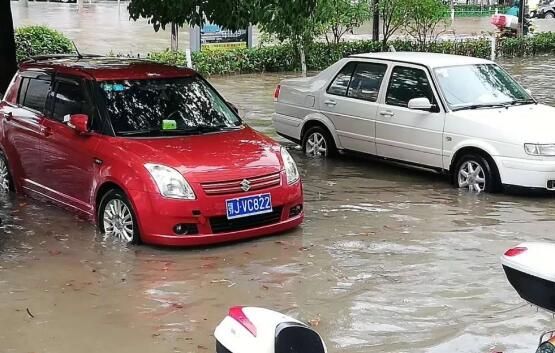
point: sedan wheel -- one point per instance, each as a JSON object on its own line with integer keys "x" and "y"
{"x": 317, "y": 142}
{"x": 4, "y": 176}
{"x": 550, "y": 15}
{"x": 472, "y": 176}
{"x": 117, "y": 219}
{"x": 316, "y": 145}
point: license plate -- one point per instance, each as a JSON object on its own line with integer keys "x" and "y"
{"x": 249, "y": 206}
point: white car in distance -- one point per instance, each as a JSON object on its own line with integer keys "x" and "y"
{"x": 463, "y": 116}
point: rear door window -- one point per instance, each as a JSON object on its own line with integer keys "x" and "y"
{"x": 407, "y": 83}
{"x": 340, "y": 84}
{"x": 366, "y": 81}
{"x": 36, "y": 92}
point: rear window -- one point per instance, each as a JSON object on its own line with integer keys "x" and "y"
{"x": 33, "y": 93}
{"x": 340, "y": 84}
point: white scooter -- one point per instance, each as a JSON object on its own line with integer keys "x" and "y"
{"x": 258, "y": 330}
{"x": 530, "y": 270}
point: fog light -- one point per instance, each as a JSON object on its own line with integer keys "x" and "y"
{"x": 185, "y": 229}
{"x": 295, "y": 210}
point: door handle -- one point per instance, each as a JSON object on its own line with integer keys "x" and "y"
{"x": 387, "y": 113}
{"x": 8, "y": 116}
{"x": 330, "y": 102}
{"x": 46, "y": 131}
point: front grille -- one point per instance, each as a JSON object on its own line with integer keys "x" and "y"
{"x": 224, "y": 225}
{"x": 234, "y": 186}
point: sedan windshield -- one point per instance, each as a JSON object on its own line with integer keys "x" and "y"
{"x": 480, "y": 86}
{"x": 166, "y": 107}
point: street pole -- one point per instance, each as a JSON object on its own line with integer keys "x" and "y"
{"x": 376, "y": 21}
{"x": 80, "y": 5}
{"x": 24, "y": 3}
{"x": 174, "y": 37}
{"x": 521, "y": 17}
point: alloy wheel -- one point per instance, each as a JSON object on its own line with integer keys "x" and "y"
{"x": 316, "y": 145}
{"x": 118, "y": 220}
{"x": 472, "y": 176}
{"x": 4, "y": 177}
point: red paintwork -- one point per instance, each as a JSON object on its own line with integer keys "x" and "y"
{"x": 52, "y": 160}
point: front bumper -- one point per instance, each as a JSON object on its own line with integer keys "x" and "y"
{"x": 158, "y": 216}
{"x": 526, "y": 172}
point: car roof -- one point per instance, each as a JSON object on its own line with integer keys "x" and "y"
{"x": 431, "y": 60}
{"x": 106, "y": 68}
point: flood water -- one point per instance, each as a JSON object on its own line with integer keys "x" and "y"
{"x": 388, "y": 260}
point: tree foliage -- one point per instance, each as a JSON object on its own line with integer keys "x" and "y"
{"x": 424, "y": 20}
{"x": 394, "y": 15}
{"x": 342, "y": 16}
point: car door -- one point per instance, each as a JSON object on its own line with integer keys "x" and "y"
{"x": 351, "y": 103}
{"x": 405, "y": 134}
{"x": 68, "y": 157}
{"x": 22, "y": 128}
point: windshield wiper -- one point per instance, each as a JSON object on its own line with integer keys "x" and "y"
{"x": 138, "y": 132}
{"x": 523, "y": 102}
{"x": 481, "y": 106}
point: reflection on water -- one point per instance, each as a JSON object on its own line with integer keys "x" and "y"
{"x": 389, "y": 260}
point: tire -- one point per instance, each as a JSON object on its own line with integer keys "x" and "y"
{"x": 476, "y": 173}
{"x": 6, "y": 181}
{"x": 317, "y": 142}
{"x": 550, "y": 15}
{"x": 116, "y": 217}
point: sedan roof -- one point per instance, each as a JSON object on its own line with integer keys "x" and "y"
{"x": 431, "y": 60}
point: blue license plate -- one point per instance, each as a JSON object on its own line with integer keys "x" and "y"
{"x": 248, "y": 206}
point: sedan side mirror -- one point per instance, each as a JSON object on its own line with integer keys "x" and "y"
{"x": 79, "y": 122}
{"x": 420, "y": 104}
{"x": 233, "y": 107}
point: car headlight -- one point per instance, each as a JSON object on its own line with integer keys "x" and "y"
{"x": 170, "y": 182}
{"x": 535, "y": 149}
{"x": 291, "y": 170}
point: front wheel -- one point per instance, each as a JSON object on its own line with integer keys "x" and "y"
{"x": 317, "y": 142}
{"x": 474, "y": 172}
{"x": 550, "y": 15}
{"x": 117, "y": 219}
{"x": 6, "y": 184}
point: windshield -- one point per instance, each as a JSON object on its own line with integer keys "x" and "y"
{"x": 483, "y": 85}
{"x": 166, "y": 107}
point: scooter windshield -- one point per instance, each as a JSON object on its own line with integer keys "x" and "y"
{"x": 295, "y": 338}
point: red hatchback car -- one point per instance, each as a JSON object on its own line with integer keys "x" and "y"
{"x": 149, "y": 152}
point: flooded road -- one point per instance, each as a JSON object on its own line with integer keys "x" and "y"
{"x": 388, "y": 260}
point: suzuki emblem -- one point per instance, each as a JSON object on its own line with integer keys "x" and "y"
{"x": 245, "y": 185}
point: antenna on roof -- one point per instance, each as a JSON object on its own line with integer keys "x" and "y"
{"x": 79, "y": 56}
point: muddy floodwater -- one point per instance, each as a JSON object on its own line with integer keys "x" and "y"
{"x": 388, "y": 260}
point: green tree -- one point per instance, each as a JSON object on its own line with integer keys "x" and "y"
{"x": 8, "y": 63}
{"x": 424, "y": 19}
{"x": 393, "y": 14}
{"x": 296, "y": 21}
{"x": 342, "y": 16}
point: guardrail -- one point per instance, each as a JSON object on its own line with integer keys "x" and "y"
{"x": 483, "y": 12}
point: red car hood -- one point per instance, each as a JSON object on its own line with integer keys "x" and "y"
{"x": 210, "y": 157}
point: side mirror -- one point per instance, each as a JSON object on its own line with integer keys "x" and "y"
{"x": 79, "y": 122}
{"x": 420, "y": 104}
{"x": 233, "y": 107}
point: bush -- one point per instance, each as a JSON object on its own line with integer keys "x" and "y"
{"x": 40, "y": 40}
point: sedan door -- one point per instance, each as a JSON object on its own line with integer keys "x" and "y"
{"x": 22, "y": 129}
{"x": 350, "y": 102}
{"x": 405, "y": 134}
{"x": 69, "y": 157}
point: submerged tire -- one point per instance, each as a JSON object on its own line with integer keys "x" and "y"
{"x": 318, "y": 143}
{"x": 116, "y": 217}
{"x": 475, "y": 173}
